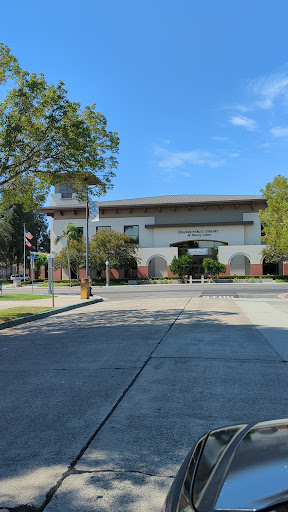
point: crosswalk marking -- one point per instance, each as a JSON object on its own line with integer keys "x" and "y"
{"x": 227, "y": 297}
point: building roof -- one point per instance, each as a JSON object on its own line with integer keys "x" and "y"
{"x": 158, "y": 201}
{"x": 179, "y": 199}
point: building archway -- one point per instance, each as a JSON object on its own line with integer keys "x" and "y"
{"x": 272, "y": 268}
{"x": 199, "y": 249}
{"x": 157, "y": 267}
{"x": 240, "y": 265}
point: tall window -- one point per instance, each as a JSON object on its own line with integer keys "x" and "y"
{"x": 262, "y": 234}
{"x": 133, "y": 233}
{"x": 65, "y": 191}
{"x": 99, "y": 228}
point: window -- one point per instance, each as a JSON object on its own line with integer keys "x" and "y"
{"x": 262, "y": 234}
{"x": 65, "y": 191}
{"x": 133, "y": 233}
{"x": 99, "y": 228}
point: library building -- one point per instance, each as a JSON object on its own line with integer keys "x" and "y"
{"x": 162, "y": 227}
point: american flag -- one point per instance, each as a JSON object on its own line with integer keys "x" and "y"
{"x": 28, "y": 235}
{"x": 28, "y": 243}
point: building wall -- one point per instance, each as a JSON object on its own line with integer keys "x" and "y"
{"x": 252, "y": 252}
{"x": 156, "y": 242}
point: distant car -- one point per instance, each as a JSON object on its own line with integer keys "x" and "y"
{"x": 20, "y": 276}
{"x": 233, "y": 469}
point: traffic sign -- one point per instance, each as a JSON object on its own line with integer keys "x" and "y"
{"x": 32, "y": 256}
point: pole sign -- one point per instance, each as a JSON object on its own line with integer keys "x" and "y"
{"x": 93, "y": 211}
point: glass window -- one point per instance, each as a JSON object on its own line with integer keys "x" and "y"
{"x": 99, "y": 228}
{"x": 132, "y": 232}
{"x": 65, "y": 191}
{"x": 262, "y": 234}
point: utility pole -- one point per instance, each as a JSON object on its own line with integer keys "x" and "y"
{"x": 87, "y": 236}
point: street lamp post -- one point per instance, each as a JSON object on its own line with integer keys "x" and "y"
{"x": 87, "y": 236}
{"x": 107, "y": 274}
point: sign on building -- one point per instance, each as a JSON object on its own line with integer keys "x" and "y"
{"x": 199, "y": 252}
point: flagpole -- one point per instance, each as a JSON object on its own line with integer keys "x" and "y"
{"x": 24, "y": 252}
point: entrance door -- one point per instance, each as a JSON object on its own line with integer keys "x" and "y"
{"x": 196, "y": 268}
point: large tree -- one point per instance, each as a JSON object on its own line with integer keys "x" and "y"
{"x": 275, "y": 220}
{"x": 77, "y": 256}
{"x": 114, "y": 247}
{"x": 36, "y": 224}
{"x": 71, "y": 234}
{"x": 46, "y": 139}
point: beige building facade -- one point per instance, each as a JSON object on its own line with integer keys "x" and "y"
{"x": 168, "y": 226}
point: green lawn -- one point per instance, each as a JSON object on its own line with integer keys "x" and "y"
{"x": 13, "y": 313}
{"x": 23, "y": 296}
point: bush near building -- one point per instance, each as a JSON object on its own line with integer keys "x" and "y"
{"x": 182, "y": 265}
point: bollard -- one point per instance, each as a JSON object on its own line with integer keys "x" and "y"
{"x": 85, "y": 287}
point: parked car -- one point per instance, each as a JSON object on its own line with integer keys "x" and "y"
{"x": 20, "y": 276}
{"x": 237, "y": 468}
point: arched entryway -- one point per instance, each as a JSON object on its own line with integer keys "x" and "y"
{"x": 199, "y": 249}
{"x": 158, "y": 267}
{"x": 272, "y": 268}
{"x": 240, "y": 265}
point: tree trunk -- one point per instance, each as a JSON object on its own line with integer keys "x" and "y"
{"x": 69, "y": 268}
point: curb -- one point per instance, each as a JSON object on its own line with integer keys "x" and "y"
{"x": 40, "y": 316}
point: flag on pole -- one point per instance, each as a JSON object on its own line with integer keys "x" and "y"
{"x": 28, "y": 235}
{"x": 28, "y": 243}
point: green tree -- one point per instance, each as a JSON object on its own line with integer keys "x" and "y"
{"x": 114, "y": 247}
{"x": 70, "y": 234}
{"x": 213, "y": 267}
{"x": 5, "y": 237}
{"x": 275, "y": 220}
{"x": 182, "y": 265}
{"x": 47, "y": 139}
{"x": 35, "y": 222}
{"x": 77, "y": 256}
{"x": 5, "y": 226}
{"x": 41, "y": 261}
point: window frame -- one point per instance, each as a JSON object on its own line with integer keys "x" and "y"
{"x": 99, "y": 228}
{"x": 68, "y": 193}
{"x": 134, "y": 238}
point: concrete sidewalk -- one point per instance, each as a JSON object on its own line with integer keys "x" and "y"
{"x": 109, "y": 399}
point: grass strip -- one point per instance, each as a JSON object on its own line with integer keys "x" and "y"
{"x": 23, "y": 296}
{"x": 13, "y": 313}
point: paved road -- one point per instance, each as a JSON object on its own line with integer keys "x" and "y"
{"x": 139, "y": 292}
{"x": 99, "y": 406}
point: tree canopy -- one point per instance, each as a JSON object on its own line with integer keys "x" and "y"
{"x": 73, "y": 239}
{"x": 213, "y": 267}
{"x": 77, "y": 256}
{"x": 182, "y": 265}
{"x": 46, "y": 139}
{"x": 275, "y": 220}
{"x": 114, "y": 247}
{"x": 11, "y": 248}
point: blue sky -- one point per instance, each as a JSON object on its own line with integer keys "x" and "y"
{"x": 198, "y": 91}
